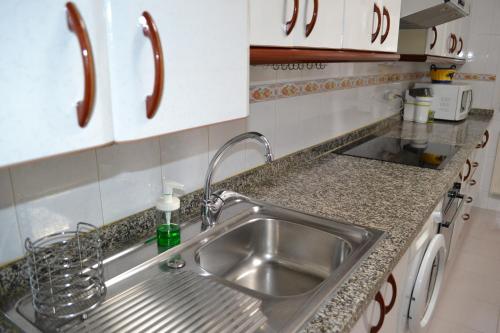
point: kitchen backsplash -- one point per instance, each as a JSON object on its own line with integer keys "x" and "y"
{"x": 103, "y": 185}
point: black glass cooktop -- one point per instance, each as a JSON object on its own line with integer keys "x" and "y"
{"x": 418, "y": 153}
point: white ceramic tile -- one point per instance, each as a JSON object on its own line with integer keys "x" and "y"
{"x": 287, "y": 126}
{"x": 288, "y": 75}
{"x": 262, "y": 119}
{"x": 130, "y": 178}
{"x": 55, "y": 194}
{"x": 482, "y": 14}
{"x": 483, "y": 94}
{"x": 10, "y": 241}
{"x": 184, "y": 157}
{"x": 313, "y": 127}
{"x": 234, "y": 160}
{"x": 262, "y": 75}
{"x": 479, "y": 58}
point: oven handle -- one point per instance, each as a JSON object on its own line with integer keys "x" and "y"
{"x": 447, "y": 224}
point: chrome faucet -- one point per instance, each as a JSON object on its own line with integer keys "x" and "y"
{"x": 212, "y": 202}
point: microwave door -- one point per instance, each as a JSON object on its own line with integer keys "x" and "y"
{"x": 466, "y": 102}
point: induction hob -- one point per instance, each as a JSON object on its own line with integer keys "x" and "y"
{"x": 420, "y": 153}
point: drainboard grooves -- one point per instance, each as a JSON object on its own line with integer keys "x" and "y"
{"x": 175, "y": 302}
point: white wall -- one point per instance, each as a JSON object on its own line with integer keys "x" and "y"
{"x": 103, "y": 185}
{"x": 484, "y": 57}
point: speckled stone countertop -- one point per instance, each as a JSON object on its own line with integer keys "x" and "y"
{"x": 395, "y": 198}
{"x": 392, "y": 197}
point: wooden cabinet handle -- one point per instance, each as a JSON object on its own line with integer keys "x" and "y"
{"x": 76, "y": 24}
{"x": 380, "y": 300}
{"x": 392, "y": 281}
{"x": 466, "y": 217}
{"x": 312, "y": 23}
{"x": 461, "y": 41}
{"x": 434, "y": 30}
{"x": 151, "y": 31}
{"x": 472, "y": 182}
{"x": 376, "y": 10}
{"x": 387, "y": 15}
{"x": 469, "y": 199}
{"x": 291, "y": 24}
{"x": 469, "y": 167}
{"x": 487, "y": 138}
{"x": 453, "y": 43}
{"x": 475, "y": 164}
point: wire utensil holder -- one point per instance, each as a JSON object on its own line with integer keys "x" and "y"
{"x": 66, "y": 272}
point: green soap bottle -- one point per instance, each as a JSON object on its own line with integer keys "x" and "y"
{"x": 168, "y": 233}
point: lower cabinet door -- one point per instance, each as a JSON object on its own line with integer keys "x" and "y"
{"x": 375, "y": 319}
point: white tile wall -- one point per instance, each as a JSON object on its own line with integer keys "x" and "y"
{"x": 262, "y": 119}
{"x": 232, "y": 162}
{"x": 184, "y": 157}
{"x": 55, "y": 194}
{"x": 10, "y": 240}
{"x": 129, "y": 178}
{"x": 103, "y": 185}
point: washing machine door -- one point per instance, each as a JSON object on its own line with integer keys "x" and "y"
{"x": 427, "y": 285}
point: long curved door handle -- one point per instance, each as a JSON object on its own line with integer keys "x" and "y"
{"x": 461, "y": 41}
{"x": 312, "y": 23}
{"x": 435, "y": 37}
{"x": 291, "y": 24}
{"x": 376, "y": 10}
{"x": 76, "y": 24}
{"x": 151, "y": 31}
{"x": 380, "y": 300}
{"x": 387, "y": 15}
{"x": 392, "y": 281}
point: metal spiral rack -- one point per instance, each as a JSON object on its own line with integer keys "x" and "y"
{"x": 297, "y": 67}
{"x": 66, "y": 272}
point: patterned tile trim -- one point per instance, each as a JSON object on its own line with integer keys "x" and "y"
{"x": 268, "y": 92}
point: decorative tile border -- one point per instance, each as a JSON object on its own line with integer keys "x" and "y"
{"x": 475, "y": 77}
{"x": 268, "y": 92}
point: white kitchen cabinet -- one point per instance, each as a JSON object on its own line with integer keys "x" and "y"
{"x": 390, "y": 26}
{"x": 204, "y": 45}
{"x": 371, "y": 25}
{"x": 362, "y": 24}
{"x": 436, "y": 40}
{"x": 43, "y": 79}
{"x": 298, "y": 23}
{"x": 270, "y": 21}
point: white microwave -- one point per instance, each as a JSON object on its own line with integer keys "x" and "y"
{"x": 450, "y": 101}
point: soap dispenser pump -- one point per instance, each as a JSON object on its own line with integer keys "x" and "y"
{"x": 168, "y": 233}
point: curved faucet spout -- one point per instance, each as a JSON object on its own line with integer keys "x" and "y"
{"x": 210, "y": 206}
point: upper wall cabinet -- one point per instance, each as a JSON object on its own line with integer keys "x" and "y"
{"x": 446, "y": 40}
{"x": 371, "y": 25}
{"x": 300, "y": 23}
{"x": 176, "y": 64}
{"x": 54, "y": 83}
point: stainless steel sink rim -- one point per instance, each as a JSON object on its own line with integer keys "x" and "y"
{"x": 283, "y": 313}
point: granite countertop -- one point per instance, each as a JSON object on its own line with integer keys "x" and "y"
{"x": 392, "y": 197}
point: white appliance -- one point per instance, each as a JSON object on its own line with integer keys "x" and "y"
{"x": 451, "y": 101}
{"x": 425, "y": 278}
{"x": 421, "y": 14}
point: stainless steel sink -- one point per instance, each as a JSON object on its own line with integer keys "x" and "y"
{"x": 261, "y": 268}
{"x": 274, "y": 257}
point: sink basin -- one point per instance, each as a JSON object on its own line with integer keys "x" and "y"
{"x": 274, "y": 257}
